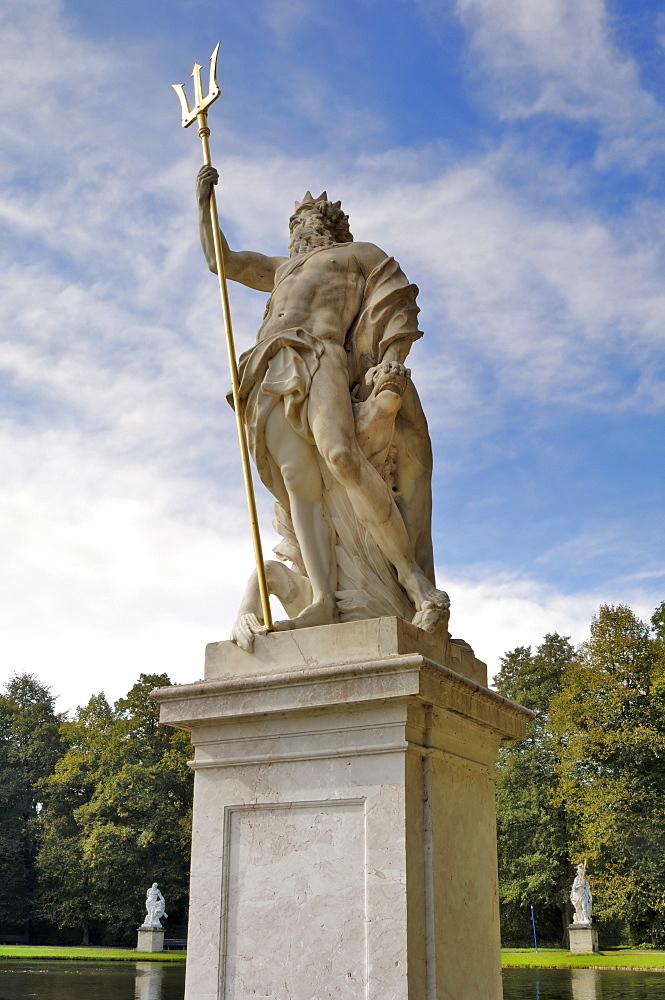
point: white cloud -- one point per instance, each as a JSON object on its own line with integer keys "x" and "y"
{"x": 563, "y": 57}
{"x": 654, "y": 574}
{"x": 289, "y": 17}
{"x": 545, "y": 297}
{"x": 606, "y": 542}
{"x": 110, "y": 569}
{"x": 523, "y": 296}
{"x": 495, "y": 612}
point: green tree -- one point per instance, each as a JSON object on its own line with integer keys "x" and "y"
{"x": 658, "y": 622}
{"x": 30, "y": 745}
{"x": 64, "y": 880}
{"x": 120, "y": 800}
{"x": 14, "y": 813}
{"x": 610, "y": 721}
{"x": 531, "y": 819}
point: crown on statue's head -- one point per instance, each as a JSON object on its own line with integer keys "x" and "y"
{"x": 309, "y": 200}
{"x": 331, "y": 211}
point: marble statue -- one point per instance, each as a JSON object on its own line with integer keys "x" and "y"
{"x": 335, "y": 426}
{"x": 581, "y": 898}
{"x": 155, "y": 905}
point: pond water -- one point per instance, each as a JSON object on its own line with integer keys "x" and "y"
{"x": 582, "y": 984}
{"x": 152, "y": 981}
{"x": 91, "y": 981}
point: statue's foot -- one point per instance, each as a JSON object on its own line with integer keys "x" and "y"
{"x": 432, "y": 605}
{"x": 245, "y": 628}
{"x": 323, "y": 612}
{"x": 424, "y": 594}
{"x": 433, "y": 620}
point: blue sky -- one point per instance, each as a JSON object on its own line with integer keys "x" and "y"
{"x": 509, "y": 155}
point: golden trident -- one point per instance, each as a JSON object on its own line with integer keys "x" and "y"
{"x": 199, "y": 113}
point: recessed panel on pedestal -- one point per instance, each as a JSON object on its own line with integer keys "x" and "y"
{"x": 294, "y": 906}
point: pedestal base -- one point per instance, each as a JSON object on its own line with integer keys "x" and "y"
{"x": 150, "y": 939}
{"x": 583, "y": 939}
{"x": 344, "y": 840}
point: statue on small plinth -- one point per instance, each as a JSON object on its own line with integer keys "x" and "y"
{"x": 155, "y": 905}
{"x": 581, "y": 898}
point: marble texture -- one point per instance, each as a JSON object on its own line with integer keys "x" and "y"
{"x": 335, "y": 426}
{"x": 295, "y": 866}
{"x": 353, "y": 642}
{"x": 344, "y": 830}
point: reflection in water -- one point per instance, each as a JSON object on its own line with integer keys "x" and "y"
{"x": 582, "y": 984}
{"x": 585, "y": 984}
{"x": 44, "y": 980}
{"x": 148, "y": 981}
{"x": 154, "y": 981}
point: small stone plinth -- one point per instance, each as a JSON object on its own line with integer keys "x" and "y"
{"x": 150, "y": 939}
{"x": 583, "y": 939}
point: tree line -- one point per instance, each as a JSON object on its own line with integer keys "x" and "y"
{"x": 95, "y": 808}
{"x": 588, "y": 784}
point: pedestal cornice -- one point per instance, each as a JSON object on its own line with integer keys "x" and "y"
{"x": 294, "y": 687}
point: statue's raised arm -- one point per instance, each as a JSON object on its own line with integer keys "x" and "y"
{"x": 246, "y": 266}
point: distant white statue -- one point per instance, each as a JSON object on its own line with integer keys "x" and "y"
{"x": 581, "y": 898}
{"x": 155, "y": 905}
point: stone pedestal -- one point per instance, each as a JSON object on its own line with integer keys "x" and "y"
{"x": 150, "y": 939}
{"x": 344, "y": 830}
{"x": 583, "y": 939}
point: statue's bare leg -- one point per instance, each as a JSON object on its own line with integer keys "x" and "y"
{"x": 332, "y": 424}
{"x": 302, "y": 479}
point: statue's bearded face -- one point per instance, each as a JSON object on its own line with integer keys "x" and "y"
{"x": 308, "y": 232}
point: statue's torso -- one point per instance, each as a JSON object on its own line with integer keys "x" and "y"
{"x": 322, "y": 293}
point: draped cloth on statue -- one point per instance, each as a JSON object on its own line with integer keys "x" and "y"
{"x": 278, "y": 370}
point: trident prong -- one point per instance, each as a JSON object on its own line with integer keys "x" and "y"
{"x": 203, "y": 102}
{"x": 200, "y": 114}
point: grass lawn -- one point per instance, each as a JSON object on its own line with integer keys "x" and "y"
{"x": 558, "y": 958}
{"x": 545, "y": 958}
{"x": 28, "y": 952}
